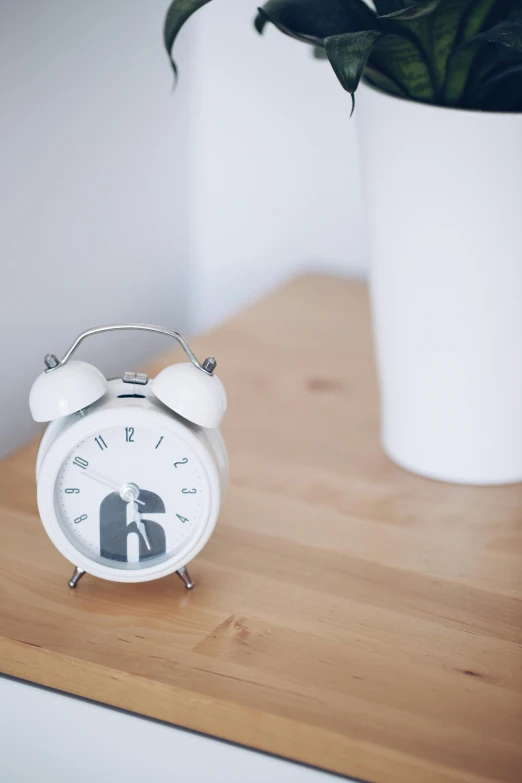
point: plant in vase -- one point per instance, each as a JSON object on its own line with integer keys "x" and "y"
{"x": 440, "y": 121}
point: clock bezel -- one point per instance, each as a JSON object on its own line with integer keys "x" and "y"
{"x": 113, "y": 414}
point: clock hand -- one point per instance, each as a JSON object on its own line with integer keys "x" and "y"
{"x": 114, "y": 485}
{"x": 133, "y": 515}
{"x": 143, "y": 530}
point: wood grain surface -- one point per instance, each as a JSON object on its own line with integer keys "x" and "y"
{"x": 346, "y": 614}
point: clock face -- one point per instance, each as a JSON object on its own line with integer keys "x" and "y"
{"x": 130, "y": 497}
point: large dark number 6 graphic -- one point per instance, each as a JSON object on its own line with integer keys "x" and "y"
{"x": 114, "y": 528}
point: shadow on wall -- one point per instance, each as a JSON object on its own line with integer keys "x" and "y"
{"x": 94, "y": 208}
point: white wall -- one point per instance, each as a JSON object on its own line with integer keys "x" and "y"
{"x": 93, "y": 198}
{"x": 273, "y": 176}
{"x": 121, "y": 201}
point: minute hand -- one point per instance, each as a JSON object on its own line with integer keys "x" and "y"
{"x": 114, "y": 485}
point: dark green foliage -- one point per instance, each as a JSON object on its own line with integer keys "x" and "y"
{"x": 349, "y": 53}
{"x": 315, "y": 20}
{"x": 461, "y": 53}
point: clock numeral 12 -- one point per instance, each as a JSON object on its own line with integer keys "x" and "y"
{"x": 129, "y": 434}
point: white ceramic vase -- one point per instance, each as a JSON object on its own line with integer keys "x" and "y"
{"x": 443, "y": 189}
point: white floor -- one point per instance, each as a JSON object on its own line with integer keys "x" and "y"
{"x": 46, "y": 737}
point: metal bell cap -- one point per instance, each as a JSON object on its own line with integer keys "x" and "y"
{"x": 192, "y": 393}
{"x": 66, "y": 390}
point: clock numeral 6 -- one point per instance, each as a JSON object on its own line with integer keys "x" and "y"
{"x": 189, "y": 491}
{"x": 80, "y": 462}
{"x": 181, "y": 462}
{"x": 72, "y": 490}
{"x": 80, "y": 519}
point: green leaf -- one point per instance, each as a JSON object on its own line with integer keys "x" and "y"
{"x": 444, "y": 36}
{"x": 348, "y": 55}
{"x": 494, "y": 75}
{"x": 495, "y": 56}
{"x": 507, "y": 33}
{"x": 461, "y": 59}
{"x": 475, "y": 19}
{"x": 460, "y": 63}
{"x": 314, "y": 20}
{"x": 382, "y": 81}
{"x": 503, "y": 91}
{"x": 400, "y": 57}
{"x": 404, "y": 61}
{"x": 432, "y": 26}
{"x": 389, "y": 6}
{"x": 319, "y": 52}
{"x": 178, "y": 13}
{"x": 417, "y": 11}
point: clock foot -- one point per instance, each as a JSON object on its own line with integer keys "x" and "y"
{"x": 185, "y": 578}
{"x": 75, "y": 578}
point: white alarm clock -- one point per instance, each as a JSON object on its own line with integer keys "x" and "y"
{"x": 130, "y": 472}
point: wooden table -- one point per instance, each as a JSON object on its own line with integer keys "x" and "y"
{"x": 347, "y": 614}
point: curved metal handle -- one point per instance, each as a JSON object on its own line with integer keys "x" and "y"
{"x": 207, "y": 367}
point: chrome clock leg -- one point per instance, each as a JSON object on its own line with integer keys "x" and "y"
{"x": 185, "y": 578}
{"x": 75, "y": 578}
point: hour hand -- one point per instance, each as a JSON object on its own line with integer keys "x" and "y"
{"x": 143, "y": 531}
